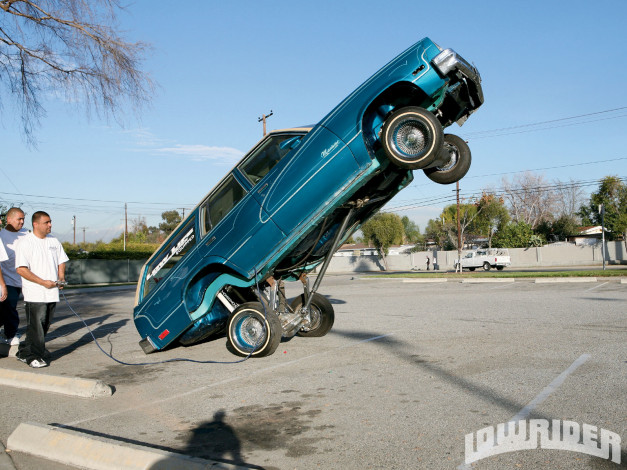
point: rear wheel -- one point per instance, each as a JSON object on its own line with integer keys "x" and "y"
{"x": 500, "y": 268}
{"x": 412, "y": 137}
{"x": 456, "y": 159}
{"x": 320, "y": 315}
{"x": 471, "y": 269}
{"x": 251, "y": 329}
{"x": 486, "y": 266}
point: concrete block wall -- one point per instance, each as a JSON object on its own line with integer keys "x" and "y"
{"x": 550, "y": 255}
{"x": 100, "y": 271}
{"x": 93, "y": 271}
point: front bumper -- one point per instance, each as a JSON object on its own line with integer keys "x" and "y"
{"x": 464, "y": 94}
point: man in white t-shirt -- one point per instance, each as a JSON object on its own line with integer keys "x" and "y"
{"x": 9, "y": 236}
{"x": 40, "y": 260}
{"x": 3, "y": 287}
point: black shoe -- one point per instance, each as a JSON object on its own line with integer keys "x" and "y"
{"x": 20, "y": 359}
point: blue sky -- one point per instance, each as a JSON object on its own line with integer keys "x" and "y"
{"x": 220, "y": 65}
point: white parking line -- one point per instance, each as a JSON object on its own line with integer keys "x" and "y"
{"x": 596, "y": 287}
{"x": 549, "y": 389}
{"x": 543, "y": 395}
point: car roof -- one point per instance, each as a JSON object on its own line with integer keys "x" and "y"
{"x": 304, "y": 129}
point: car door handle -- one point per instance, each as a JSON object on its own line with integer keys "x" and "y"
{"x": 262, "y": 189}
{"x": 213, "y": 239}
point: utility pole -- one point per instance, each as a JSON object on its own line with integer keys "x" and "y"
{"x": 183, "y": 210}
{"x": 74, "y": 225}
{"x": 602, "y": 212}
{"x": 83, "y": 228}
{"x": 263, "y": 119}
{"x": 125, "y": 224}
{"x": 459, "y": 233}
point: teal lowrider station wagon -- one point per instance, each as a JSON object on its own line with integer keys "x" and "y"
{"x": 287, "y": 206}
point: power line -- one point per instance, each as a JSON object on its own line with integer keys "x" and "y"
{"x": 551, "y": 121}
{"x": 499, "y": 192}
{"x": 93, "y": 200}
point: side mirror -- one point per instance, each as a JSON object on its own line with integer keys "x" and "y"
{"x": 290, "y": 143}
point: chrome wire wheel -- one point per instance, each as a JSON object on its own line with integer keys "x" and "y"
{"x": 412, "y": 137}
{"x": 453, "y": 157}
{"x": 319, "y": 317}
{"x": 253, "y": 330}
{"x": 454, "y": 165}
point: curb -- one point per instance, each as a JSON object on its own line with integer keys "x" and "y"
{"x": 487, "y": 279}
{"x": 73, "y": 386}
{"x": 431, "y": 279}
{"x": 623, "y": 280}
{"x": 98, "y": 453}
{"x": 565, "y": 279}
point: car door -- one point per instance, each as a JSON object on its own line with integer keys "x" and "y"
{"x": 304, "y": 180}
{"x": 234, "y": 229}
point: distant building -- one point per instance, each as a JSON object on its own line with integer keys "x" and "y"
{"x": 588, "y": 235}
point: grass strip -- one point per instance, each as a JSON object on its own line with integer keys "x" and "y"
{"x": 505, "y": 273}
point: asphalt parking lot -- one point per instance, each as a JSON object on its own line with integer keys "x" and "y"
{"x": 407, "y": 371}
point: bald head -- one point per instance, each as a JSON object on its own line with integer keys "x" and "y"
{"x": 15, "y": 219}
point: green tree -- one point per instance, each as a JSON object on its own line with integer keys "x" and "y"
{"x": 170, "y": 221}
{"x": 560, "y": 229}
{"x": 467, "y": 215}
{"x": 516, "y": 235}
{"x": 383, "y": 230}
{"x": 436, "y": 231}
{"x": 3, "y": 213}
{"x": 612, "y": 193}
{"x": 492, "y": 215}
{"x": 412, "y": 231}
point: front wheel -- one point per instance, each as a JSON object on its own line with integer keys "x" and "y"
{"x": 319, "y": 317}
{"x": 471, "y": 269}
{"x": 253, "y": 330}
{"x": 412, "y": 137}
{"x": 500, "y": 268}
{"x": 486, "y": 266}
{"x": 454, "y": 161}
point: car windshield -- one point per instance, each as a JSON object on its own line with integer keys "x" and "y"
{"x": 268, "y": 154}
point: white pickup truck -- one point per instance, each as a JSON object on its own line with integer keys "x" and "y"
{"x": 487, "y": 259}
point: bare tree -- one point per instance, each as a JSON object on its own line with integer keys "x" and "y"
{"x": 570, "y": 198}
{"x": 70, "y": 47}
{"x": 530, "y": 198}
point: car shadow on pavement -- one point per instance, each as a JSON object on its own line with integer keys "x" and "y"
{"x": 398, "y": 348}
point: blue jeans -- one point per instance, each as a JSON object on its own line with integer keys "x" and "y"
{"x": 38, "y": 318}
{"x": 9, "y": 317}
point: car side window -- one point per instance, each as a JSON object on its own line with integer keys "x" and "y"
{"x": 221, "y": 202}
{"x": 260, "y": 162}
